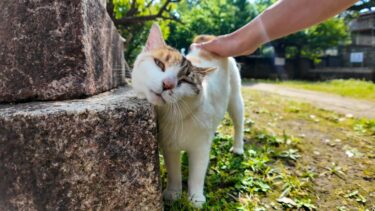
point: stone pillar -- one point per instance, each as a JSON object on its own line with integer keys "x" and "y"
{"x": 57, "y": 50}
{"x": 104, "y": 3}
{"x": 96, "y": 150}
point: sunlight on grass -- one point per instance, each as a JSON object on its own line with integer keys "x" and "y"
{"x": 348, "y": 88}
{"x": 277, "y": 171}
{"x": 257, "y": 180}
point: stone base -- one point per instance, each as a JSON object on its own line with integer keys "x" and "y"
{"x": 98, "y": 153}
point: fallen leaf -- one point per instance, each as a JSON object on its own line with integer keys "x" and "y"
{"x": 288, "y": 201}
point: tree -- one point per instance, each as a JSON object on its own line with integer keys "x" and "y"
{"x": 362, "y": 4}
{"x": 181, "y": 20}
{"x": 311, "y": 42}
{"x": 355, "y": 10}
{"x": 133, "y": 18}
{"x": 213, "y": 17}
{"x": 135, "y": 12}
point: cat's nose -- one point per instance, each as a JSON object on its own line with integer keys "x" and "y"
{"x": 168, "y": 84}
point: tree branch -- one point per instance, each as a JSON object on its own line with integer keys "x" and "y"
{"x": 131, "y": 19}
{"x": 364, "y": 5}
{"x": 133, "y": 9}
{"x": 110, "y": 9}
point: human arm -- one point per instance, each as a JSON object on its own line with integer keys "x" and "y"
{"x": 282, "y": 18}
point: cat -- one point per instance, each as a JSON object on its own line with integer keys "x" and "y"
{"x": 191, "y": 95}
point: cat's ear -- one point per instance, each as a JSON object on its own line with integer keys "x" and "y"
{"x": 205, "y": 70}
{"x": 155, "y": 39}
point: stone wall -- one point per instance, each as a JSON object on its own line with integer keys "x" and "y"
{"x": 91, "y": 151}
{"x": 57, "y": 50}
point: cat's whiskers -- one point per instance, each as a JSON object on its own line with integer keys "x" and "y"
{"x": 180, "y": 120}
{"x": 189, "y": 111}
{"x": 172, "y": 131}
{"x": 175, "y": 125}
{"x": 175, "y": 128}
{"x": 162, "y": 120}
{"x": 164, "y": 123}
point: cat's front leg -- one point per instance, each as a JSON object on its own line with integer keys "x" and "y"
{"x": 174, "y": 185}
{"x": 198, "y": 163}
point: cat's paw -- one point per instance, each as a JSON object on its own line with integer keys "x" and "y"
{"x": 237, "y": 150}
{"x": 197, "y": 200}
{"x": 171, "y": 195}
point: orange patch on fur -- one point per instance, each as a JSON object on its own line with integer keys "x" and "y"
{"x": 205, "y": 54}
{"x": 169, "y": 56}
{"x": 203, "y": 38}
{"x": 193, "y": 59}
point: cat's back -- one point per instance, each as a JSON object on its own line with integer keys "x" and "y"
{"x": 202, "y": 58}
{"x": 219, "y": 84}
{"x": 226, "y": 74}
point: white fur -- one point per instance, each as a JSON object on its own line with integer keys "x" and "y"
{"x": 187, "y": 122}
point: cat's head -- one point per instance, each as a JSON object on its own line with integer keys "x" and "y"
{"x": 163, "y": 75}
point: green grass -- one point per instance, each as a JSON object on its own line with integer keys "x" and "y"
{"x": 256, "y": 180}
{"x": 348, "y": 88}
{"x": 281, "y": 169}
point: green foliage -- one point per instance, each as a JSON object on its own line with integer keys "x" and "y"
{"x": 331, "y": 33}
{"x": 214, "y": 17}
{"x": 366, "y": 126}
{"x": 197, "y": 17}
{"x": 218, "y": 17}
{"x": 136, "y": 31}
{"x": 312, "y": 42}
{"x": 362, "y": 4}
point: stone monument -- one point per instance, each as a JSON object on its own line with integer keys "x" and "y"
{"x": 72, "y": 134}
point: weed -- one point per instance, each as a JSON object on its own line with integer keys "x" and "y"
{"x": 246, "y": 182}
{"x": 277, "y": 171}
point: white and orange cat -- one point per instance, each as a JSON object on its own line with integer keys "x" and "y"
{"x": 191, "y": 96}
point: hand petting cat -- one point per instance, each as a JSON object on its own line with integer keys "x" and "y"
{"x": 281, "y": 19}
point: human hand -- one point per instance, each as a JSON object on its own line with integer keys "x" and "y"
{"x": 227, "y": 45}
{"x": 281, "y": 19}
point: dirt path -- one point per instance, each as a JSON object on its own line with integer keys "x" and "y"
{"x": 345, "y": 105}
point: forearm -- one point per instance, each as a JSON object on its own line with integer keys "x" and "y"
{"x": 286, "y": 17}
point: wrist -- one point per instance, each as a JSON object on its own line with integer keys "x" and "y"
{"x": 258, "y": 33}
{"x": 250, "y": 37}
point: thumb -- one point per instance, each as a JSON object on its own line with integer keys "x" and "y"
{"x": 203, "y": 45}
{"x": 198, "y": 45}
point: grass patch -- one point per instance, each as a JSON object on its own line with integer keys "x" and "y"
{"x": 297, "y": 157}
{"x": 258, "y": 180}
{"x": 349, "y": 88}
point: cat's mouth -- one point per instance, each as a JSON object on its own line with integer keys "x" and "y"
{"x": 158, "y": 96}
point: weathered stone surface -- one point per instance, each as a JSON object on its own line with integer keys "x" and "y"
{"x": 98, "y": 153}
{"x": 53, "y": 50}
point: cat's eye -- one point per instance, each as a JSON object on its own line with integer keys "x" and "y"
{"x": 183, "y": 81}
{"x": 159, "y": 64}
